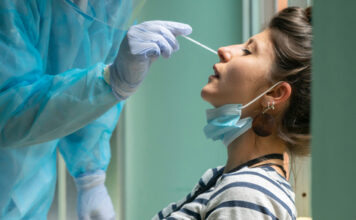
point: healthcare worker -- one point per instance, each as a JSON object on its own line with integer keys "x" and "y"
{"x": 63, "y": 81}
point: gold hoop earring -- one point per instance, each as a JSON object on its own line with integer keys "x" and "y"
{"x": 264, "y": 123}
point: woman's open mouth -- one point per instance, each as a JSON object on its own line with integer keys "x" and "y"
{"x": 216, "y": 72}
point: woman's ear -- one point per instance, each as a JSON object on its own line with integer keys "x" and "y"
{"x": 279, "y": 95}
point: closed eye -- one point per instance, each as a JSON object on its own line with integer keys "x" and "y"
{"x": 246, "y": 52}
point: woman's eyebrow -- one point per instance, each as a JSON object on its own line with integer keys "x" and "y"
{"x": 254, "y": 42}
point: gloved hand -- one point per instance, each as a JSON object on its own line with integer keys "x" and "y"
{"x": 143, "y": 44}
{"x": 93, "y": 199}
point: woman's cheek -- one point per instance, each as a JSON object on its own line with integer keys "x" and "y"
{"x": 236, "y": 75}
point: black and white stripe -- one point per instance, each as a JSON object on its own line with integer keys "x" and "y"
{"x": 249, "y": 193}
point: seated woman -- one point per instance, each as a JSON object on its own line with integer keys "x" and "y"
{"x": 270, "y": 74}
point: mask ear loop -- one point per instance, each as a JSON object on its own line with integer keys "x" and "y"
{"x": 258, "y": 97}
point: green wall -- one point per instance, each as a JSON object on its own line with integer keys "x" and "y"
{"x": 166, "y": 151}
{"x": 334, "y": 110}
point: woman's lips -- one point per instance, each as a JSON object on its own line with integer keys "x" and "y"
{"x": 212, "y": 77}
{"x": 217, "y": 74}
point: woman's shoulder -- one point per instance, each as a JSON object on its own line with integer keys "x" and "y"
{"x": 257, "y": 175}
{"x": 264, "y": 180}
{"x": 255, "y": 189}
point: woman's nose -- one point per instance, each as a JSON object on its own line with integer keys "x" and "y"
{"x": 224, "y": 54}
{"x": 227, "y": 53}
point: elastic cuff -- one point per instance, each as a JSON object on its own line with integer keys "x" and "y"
{"x": 90, "y": 180}
{"x": 121, "y": 89}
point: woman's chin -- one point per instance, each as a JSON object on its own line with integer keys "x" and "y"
{"x": 206, "y": 94}
{"x": 212, "y": 95}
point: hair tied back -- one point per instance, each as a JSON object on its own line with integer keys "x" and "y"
{"x": 308, "y": 14}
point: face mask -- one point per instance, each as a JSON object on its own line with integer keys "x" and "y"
{"x": 224, "y": 123}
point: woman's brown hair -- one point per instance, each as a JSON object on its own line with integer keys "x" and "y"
{"x": 291, "y": 35}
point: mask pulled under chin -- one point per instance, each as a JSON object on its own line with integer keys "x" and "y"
{"x": 225, "y": 122}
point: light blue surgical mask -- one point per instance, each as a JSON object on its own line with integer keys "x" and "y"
{"x": 225, "y": 122}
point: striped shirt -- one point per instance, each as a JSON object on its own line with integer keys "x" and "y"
{"x": 247, "y": 194}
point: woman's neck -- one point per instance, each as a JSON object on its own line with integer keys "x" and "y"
{"x": 250, "y": 146}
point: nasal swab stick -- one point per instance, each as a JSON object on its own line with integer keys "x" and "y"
{"x": 200, "y": 44}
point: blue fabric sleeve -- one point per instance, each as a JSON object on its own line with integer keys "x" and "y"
{"x": 88, "y": 149}
{"x": 36, "y": 106}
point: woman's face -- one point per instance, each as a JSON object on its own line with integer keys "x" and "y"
{"x": 242, "y": 73}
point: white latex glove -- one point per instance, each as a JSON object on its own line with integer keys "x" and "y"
{"x": 142, "y": 45}
{"x": 93, "y": 199}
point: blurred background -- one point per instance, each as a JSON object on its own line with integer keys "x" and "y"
{"x": 159, "y": 150}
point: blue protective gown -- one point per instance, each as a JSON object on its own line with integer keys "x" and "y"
{"x": 51, "y": 86}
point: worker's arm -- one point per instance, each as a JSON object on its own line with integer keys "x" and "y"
{"x": 87, "y": 156}
{"x": 36, "y": 106}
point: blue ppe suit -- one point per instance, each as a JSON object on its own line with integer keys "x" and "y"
{"x": 52, "y": 94}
